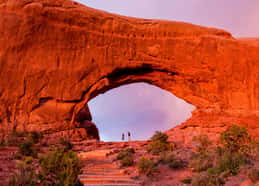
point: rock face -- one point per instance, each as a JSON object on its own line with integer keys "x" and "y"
{"x": 57, "y": 55}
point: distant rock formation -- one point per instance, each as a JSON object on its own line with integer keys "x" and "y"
{"x": 57, "y": 55}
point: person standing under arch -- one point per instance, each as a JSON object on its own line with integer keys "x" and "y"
{"x": 129, "y": 136}
{"x": 123, "y": 137}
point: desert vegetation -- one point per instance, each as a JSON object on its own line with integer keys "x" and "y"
{"x": 234, "y": 154}
{"x": 146, "y": 166}
{"x": 126, "y": 157}
{"x": 209, "y": 164}
{"x": 25, "y": 175}
{"x": 158, "y": 151}
{"x": 59, "y": 167}
{"x": 158, "y": 143}
{"x": 38, "y": 165}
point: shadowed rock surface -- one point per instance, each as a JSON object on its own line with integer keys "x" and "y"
{"x": 57, "y": 55}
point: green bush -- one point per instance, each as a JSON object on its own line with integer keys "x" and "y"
{"x": 125, "y": 153}
{"x": 203, "y": 158}
{"x": 205, "y": 179}
{"x": 230, "y": 163}
{"x": 203, "y": 143}
{"x": 201, "y": 162}
{"x": 187, "y": 181}
{"x": 224, "y": 160}
{"x": 25, "y": 176}
{"x": 159, "y": 136}
{"x": 26, "y": 148}
{"x": 60, "y": 167}
{"x": 171, "y": 160}
{"x": 127, "y": 161}
{"x": 235, "y": 139}
{"x": 28, "y": 160}
{"x": 158, "y": 143}
{"x": 126, "y": 157}
{"x": 227, "y": 164}
{"x": 130, "y": 150}
{"x": 65, "y": 142}
{"x": 254, "y": 175}
{"x": 146, "y": 166}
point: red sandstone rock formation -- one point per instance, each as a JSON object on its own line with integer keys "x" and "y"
{"x": 57, "y": 55}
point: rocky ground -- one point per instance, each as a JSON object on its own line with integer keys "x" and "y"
{"x": 101, "y": 156}
{"x": 100, "y": 166}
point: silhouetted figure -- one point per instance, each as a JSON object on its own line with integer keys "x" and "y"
{"x": 123, "y": 137}
{"x": 129, "y": 136}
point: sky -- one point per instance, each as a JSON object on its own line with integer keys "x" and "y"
{"x": 141, "y": 108}
{"x": 240, "y": 17}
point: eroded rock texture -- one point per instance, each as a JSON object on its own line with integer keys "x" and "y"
{"x": 57, "y": 55}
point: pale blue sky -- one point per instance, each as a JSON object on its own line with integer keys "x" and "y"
{"x": 139, "y": 108}
{"x": 142, "y": 108}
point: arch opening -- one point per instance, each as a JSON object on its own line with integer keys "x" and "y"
{"x": 139, "y": 108}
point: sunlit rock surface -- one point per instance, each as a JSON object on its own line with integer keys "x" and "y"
{"x": 57, "y": 55}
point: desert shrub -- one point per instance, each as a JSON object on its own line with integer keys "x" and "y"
{"x": 28, "y": 160}
{"x": 60, "y": 167}
{"x": 227, "y": 164}
{"x": 25, "y": 176}
{"x": 203, "y": 158}
{"x": 201, "y": 161}
{"x": 158, "y": 143}
{"x": 159, "y": 136}
{"x": 126, "y": 157}
{"x": 224, "y": 160}
{"x": 127, "y": 161}
{"x": 125, "y": 153}
{"x": 130, "y": 150}
{"x": 34, "y": 136}
{"x": 254, "y": 175}
{"x": 233, "y": 152}
{"x": 187, "y": 181}
{"x": 235, "y": 139}
{"x": 203, "y": 143}
{"x": 205, "y": 179}
{"x": 146, "y": 166}
{"x": 66, "y": 143}
{"x": 200, "y": 165}
{"x": 26, "y": 148}
{"x": 170, "y": 160}
{"x": 230, "y": 163}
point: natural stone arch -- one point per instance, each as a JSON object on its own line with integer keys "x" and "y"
{"x": 57, "y": 55}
